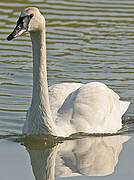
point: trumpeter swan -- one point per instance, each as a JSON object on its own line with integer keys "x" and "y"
{"x": 66, "y": 108}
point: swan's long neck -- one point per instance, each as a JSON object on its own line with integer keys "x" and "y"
{"x": 40, "y": 98}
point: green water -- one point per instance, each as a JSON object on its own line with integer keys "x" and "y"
{"x": 86, "y": 41}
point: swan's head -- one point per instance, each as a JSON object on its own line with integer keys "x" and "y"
{"x": 30, "y": 20}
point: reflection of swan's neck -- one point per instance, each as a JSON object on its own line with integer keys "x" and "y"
{"x": 43, "y": 163}
{"x": 40, "y": 98}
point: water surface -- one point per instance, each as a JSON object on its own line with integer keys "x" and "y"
{"x": 86, "y": 41}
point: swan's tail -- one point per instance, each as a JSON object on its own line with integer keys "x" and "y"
{"x": 124, "y": 106}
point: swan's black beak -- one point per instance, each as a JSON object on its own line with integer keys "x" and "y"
{"x": 21, "y": 27}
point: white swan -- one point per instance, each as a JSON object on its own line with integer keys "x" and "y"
{"x": 68, "y": 107}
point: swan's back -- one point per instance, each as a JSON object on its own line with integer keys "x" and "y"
{"x": 58, "y": 93}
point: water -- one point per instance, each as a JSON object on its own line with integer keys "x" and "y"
{"x": 86, "y": 41}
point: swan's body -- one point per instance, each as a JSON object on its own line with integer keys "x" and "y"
{"x": 68, "y": 107}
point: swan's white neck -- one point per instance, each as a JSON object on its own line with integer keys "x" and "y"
{"x": 40, "y": 86}
{"x": 40, "y": 98}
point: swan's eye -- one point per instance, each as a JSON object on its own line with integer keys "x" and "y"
{"x": 31, "y": 15}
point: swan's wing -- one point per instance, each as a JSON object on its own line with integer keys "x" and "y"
{"x": 58, "y": 94}
{"x": 92, "y": 108}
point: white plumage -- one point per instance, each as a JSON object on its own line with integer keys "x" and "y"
{"x": 90, "y": 108}
{"x": 68, "y": 107}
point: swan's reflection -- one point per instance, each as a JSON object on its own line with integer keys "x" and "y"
{"x": 90, "y": 156}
